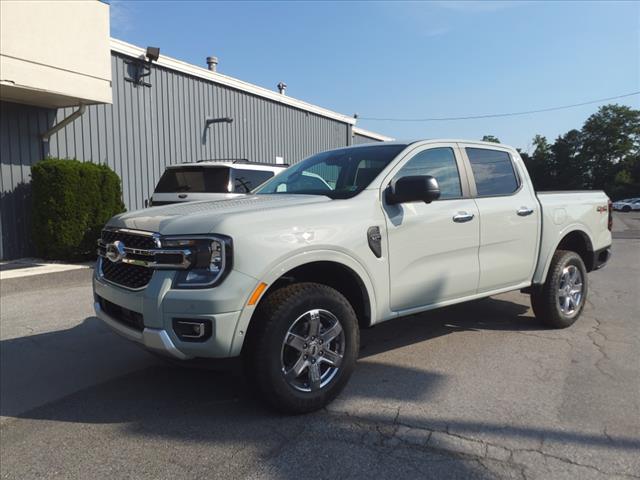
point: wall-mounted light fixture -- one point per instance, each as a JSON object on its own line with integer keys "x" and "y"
{"x": 140, "y": 68}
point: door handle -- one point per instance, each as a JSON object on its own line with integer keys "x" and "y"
{"x": 182, "y": 195}
{"x": 463, "y": 217}
{"x": 524, "y": 211}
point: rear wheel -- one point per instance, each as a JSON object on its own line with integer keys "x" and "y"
{"x": 559, "y": 302}
{"x": 303, "y": 347}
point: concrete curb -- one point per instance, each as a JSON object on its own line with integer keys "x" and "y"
{"x": 60, "y": 279}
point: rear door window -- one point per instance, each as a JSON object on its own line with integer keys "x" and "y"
{"x": 493, "y": 172}
{"x": 195, "y": 180}
{"x": 246, "y": 180}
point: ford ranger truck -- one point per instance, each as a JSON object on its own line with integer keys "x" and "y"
{"x": 286, "y": 276}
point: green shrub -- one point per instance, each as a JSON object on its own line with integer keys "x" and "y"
{"x": 72, "y": 201}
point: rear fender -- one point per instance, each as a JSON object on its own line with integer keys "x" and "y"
{"x": 546, "y": 254}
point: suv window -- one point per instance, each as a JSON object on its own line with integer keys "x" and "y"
{"x": 440, "y": 163}
{"x": 246, "y": 180}
{"x": 194, "y": 179}
{"x": 492, "y": 171}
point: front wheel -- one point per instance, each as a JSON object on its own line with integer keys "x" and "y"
{"x": 626, "y": 209}
{"x": 303, "y": 347}
{"x": 559, "y": 302}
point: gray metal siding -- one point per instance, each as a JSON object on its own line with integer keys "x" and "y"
{"x": 20, "y": 147}
{"x": 148, "y": 128}
{"x": 361, "y": 139}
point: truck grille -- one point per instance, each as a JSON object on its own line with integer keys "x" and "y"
{"x": 124, "y": 274}
{"x": 123, "y": 315}
{"x": 129, "y": 276}
{"x": 131, "y": 240}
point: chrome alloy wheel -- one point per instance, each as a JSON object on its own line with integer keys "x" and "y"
{"x": 570, "y": 290}
{"x": 312, "y": 350}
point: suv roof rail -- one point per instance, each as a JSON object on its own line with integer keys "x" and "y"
{"x": 227, "y": 160}
{"x": 243, "y": 161}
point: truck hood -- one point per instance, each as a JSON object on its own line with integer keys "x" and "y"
{"x": 201, "y": 217}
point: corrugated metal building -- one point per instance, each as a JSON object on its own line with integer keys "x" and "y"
{"x": 149, "y": 127}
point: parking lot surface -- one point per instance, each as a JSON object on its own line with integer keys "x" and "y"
{"x": 479, "y": 390}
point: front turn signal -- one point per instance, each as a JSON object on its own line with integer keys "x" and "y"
{"x": 255, "y": 296}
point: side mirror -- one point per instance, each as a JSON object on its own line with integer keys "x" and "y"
{"x": 413, "y": 188}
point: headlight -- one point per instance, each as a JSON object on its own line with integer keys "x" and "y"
{"x": 210, "y": 259}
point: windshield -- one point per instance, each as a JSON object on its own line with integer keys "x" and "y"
{"x": 337, "y": 173}
{"x": 194, "y": 179}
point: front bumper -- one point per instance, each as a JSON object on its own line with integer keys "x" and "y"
{"x": 158, "y": 305}
{"x": 154, "y": 339}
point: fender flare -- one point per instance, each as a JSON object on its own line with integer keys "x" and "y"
{"x": 291, "y": 262}
{"x": 540, "y": 274}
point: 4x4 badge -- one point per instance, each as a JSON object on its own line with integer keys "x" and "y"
{"x": 116, "y": 251}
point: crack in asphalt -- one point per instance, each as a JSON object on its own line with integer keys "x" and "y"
{"x": 595, "y": 331}
{"x": 545, "y": 337}
{"x": 392, "y": 434}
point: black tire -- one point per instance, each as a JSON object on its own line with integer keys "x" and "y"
{"x": 544, "y": 299}
{"x": 263, "y": 351}
{"x": 626, "y": 209}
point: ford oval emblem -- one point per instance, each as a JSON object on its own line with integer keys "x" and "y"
{"x": 116, "y": 251}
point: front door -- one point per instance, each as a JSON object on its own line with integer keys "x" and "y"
{"x": 433, "y": 248}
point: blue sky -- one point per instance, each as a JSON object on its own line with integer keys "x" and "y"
{"x": 412, "y": 59}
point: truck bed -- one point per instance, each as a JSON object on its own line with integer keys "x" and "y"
{"x": 586, "y": 211}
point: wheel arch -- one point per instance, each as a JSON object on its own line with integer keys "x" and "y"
{"x": 575, "y": 240}
{"x": 335, "y": 275}
{"x": 331, "y": 268}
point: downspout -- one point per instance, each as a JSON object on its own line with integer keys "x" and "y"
{"x": 63, "y": 123}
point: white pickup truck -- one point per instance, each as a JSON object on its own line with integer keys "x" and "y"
{"x": 286, "y": 276}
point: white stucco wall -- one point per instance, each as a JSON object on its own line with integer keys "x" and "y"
{"x": 55, "y": 53}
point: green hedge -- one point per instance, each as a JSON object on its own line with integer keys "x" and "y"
{"x": 72, "y": 201}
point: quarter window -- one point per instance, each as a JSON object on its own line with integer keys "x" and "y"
{"x": 440, "y": 163}
{"x": 492, "y": 171}
{"x": 246, "y": 180}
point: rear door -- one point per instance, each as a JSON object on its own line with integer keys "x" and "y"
{"x": 433, "y": 248}
{"x": 509, "y": 217}
{"x": 187, "y": 183}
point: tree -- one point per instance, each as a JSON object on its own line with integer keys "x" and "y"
{"x": 611, "y": 137}
{"x": 626, "y": 182}
{"x": 490, "y": 138}
{"x": 605, "y": 154}
{"x": 570, "y": 170}
{"x": 540, "y": 164}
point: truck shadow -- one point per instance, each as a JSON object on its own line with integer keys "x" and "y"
{"x": 486, "y": 314}
{"x": 40, "y": 368}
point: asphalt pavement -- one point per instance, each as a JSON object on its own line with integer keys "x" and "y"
{"x": 479, "y": 390}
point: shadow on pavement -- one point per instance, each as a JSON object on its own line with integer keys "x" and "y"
{"x": 217, "y": 410}
{"x": 485, "y": 314}
{"x": 40, "y": 368}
